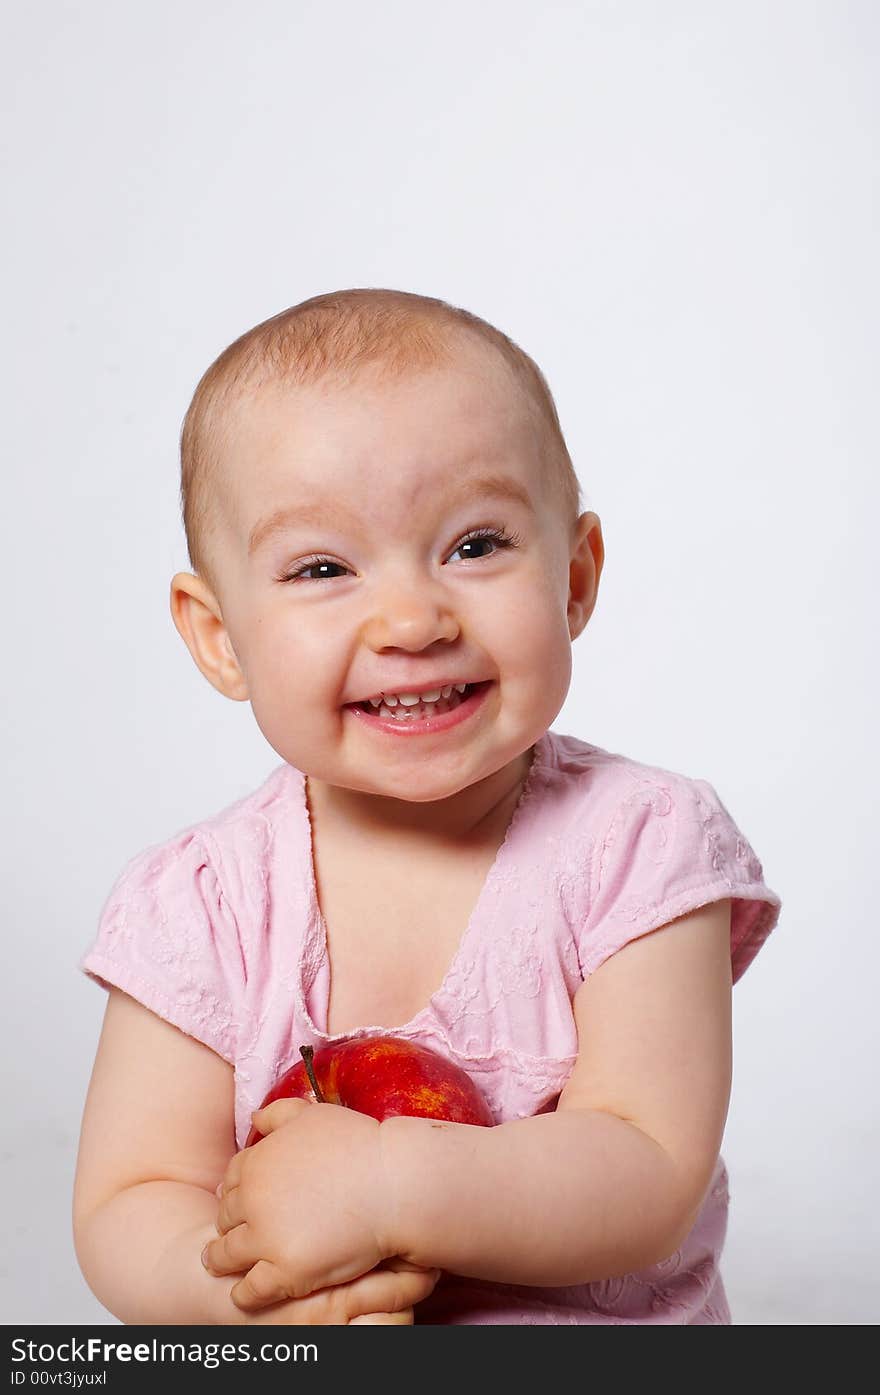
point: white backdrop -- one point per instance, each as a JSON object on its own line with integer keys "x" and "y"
{"x": 673, "y": 208}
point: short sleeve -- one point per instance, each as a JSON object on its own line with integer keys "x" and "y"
{"x": 672, "y": 846}
{"x": 167, "y": 937}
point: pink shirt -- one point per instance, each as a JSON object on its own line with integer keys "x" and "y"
{"x": 218, "y": 930}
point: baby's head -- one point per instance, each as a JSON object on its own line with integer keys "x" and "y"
{"x": 378, "y": 498}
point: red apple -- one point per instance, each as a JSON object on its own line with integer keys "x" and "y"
{"x": 382, "y": 1076}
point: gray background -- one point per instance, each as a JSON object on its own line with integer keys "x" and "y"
{"x": 673, "y": 207}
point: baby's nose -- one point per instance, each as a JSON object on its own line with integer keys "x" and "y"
{"x": 410, "y": 618}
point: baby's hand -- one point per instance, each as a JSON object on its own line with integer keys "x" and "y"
{"x": 305, "y": 1208}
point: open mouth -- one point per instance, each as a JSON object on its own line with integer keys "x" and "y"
{"x": 415, "y": 712}
{"x": 423, "y": 716}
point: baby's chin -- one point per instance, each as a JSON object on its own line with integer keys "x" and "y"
{"x": 421, "y": 790}
{"x": 395, "y": 787}
{"x": 459, "y": 791}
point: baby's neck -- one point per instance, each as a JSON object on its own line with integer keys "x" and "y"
{"x": 469, "y": 816}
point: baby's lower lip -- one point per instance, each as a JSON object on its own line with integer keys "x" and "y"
{"x": 423, "y": 726}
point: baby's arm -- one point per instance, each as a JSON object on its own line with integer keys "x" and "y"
{"x": 610, "y": 1183}
{"x": 157, "y": 1135}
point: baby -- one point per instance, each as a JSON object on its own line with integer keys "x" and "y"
{"x": 391, "y": 565}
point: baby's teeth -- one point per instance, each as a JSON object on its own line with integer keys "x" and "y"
{"x": 413, "y": 699}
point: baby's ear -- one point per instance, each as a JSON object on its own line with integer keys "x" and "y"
{"x": 198, "y": 619}
{"x": 584, "y": 571}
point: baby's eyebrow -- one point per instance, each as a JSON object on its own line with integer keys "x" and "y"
{"x": 300, "y": 515}
{"x": 316, "y": 515}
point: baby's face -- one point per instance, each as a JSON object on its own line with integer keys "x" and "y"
{"x": 367, "y": 583}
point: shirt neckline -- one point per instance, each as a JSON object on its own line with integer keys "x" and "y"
{"x": 313, "y": 944}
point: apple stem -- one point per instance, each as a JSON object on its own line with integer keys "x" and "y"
{"x": 307, "y": 1052}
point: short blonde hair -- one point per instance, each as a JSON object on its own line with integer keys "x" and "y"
{"x": 335, "y": 335}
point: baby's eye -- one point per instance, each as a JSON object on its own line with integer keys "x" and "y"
{"x": 311, "y": 564}
{"x": 496, "y": 536}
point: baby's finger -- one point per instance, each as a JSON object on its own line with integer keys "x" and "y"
{"x": 261, "y": 1286}
{"x": 403, "y": 1266}
{"x": 231, "y": 1253}
{"x": 230, "y": 1212}
{"x": 232, "y": 1175}
{"x": 277, "y": 1113}
{"x": 384, "y": 1290}
{"x": 403, "y": 1319}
